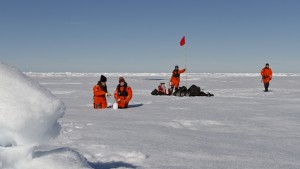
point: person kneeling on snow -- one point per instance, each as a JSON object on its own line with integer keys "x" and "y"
{"x": 123, "y": 93}
{"x": 100, "y": 93}
{"x": 163, "y": 90}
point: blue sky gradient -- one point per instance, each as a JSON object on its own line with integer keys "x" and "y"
{"x": 144, "y": 35}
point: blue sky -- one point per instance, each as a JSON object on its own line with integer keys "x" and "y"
{"x": 144, "y": 35}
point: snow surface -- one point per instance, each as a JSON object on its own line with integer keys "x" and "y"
{"x": 240, "y": 127}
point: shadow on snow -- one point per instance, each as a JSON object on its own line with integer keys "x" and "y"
{"x": 135, "y": 105}
{"x": 111, "y": 165}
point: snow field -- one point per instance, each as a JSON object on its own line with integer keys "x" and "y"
{"x": 240, "y": 127}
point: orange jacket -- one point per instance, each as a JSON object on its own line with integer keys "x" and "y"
{"x": 99, "y": 94}
{"x": 122, "y": 95}
{"x": 266, "y": 74}
{"x": 175, "y": 78}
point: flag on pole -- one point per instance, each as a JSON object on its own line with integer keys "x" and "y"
{"x": 182, "y": 41}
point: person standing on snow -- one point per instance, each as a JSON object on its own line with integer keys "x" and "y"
{"x": 100, "y": 94}
{"x": 266, "y": 74}
{"x": 175, "y": 79}
{"x": 123, "y": 93}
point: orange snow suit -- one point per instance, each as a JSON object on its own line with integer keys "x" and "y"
{"x": 99, "y": 97}
{"x": 266, "y": 74}
{"x": 124, "y": 93}
{"x": 175, "y": 79}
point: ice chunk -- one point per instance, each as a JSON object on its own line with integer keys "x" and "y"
{"x": 29, "y": 113}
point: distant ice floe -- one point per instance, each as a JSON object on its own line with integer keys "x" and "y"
{"x": 216, "y": 75}
{"x": 74, "y": 74}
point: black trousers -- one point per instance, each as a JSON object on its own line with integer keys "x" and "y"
{"x": 266, "y": 86}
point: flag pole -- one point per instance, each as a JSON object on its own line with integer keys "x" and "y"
{"x": 185, "y": 58}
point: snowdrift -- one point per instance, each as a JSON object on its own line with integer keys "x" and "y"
{"x": 29, "y": 116}
{"x": 28, "y": 112}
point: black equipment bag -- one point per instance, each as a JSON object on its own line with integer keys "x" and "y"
{"x": 194, "y": 91}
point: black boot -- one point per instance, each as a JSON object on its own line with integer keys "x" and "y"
{"x": 266, "y": 87}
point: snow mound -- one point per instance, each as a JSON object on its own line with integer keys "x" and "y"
{"x": 28, "y": 112}
{"x": 60, "y": 158}
{"x": 29, "y": 158}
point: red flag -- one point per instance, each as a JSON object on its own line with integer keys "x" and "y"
{"x": 182, "y": 41}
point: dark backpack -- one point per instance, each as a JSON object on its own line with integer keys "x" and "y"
{"x": 154, "y": 92}
{"x": 182, "y": 91}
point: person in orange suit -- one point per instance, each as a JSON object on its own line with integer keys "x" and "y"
{"x": 123, "y": 93}
{"x": 175, "y": 79}
{"x": 266, "y": 74}
{"x": 100, "y": 94}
